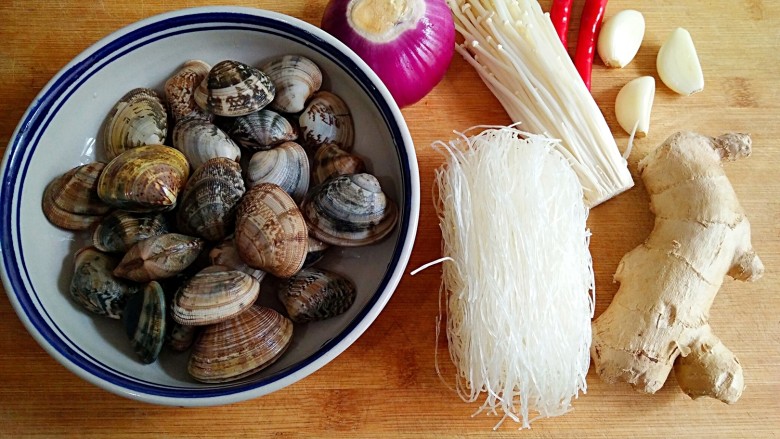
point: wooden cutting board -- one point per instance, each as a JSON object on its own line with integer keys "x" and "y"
{"x": 385, "y": 385}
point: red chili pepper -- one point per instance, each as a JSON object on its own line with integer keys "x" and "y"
{"x": 560, "y": 11}
{"x": 590, "y": 25}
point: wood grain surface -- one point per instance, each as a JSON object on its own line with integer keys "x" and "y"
{"x": 385, "y": 385}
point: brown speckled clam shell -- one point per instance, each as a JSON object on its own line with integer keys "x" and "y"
{"x": 271, "y": 233}
{"x": 233, "y": 89}
{"x": 144, "y": 179}
{"x": 180, "y": 89}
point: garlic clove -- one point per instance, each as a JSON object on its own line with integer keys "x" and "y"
{"x": 678, "y": 64}
{"x": 633, "y": 104}
{"x": 620, "y": 38}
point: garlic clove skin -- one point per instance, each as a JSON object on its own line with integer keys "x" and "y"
{"x": 620, "y": 38}
{"x": 633, "y": 105}
{"x": 678, "y": 64}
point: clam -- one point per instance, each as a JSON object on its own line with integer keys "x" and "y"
{"x": 94, "y": 286}
{"x": 181, "y": 336}
{"x": 138, "y": 118}
{"x": 207, "y": 203}
{"x": 71, "y": 201}
{"x": 180, "y": 89}
{"x": 330, "y": 161}
{"x": 213, "y": 295}
{"x": 226, "y": 254}
{"x": 159, "y": 257}
{"x": 296, "y": 78}
{"x": 261, "y": 130}
{"x": 234, "y": 89}
{"x": 315, "y": 250}
{"x": 240, "y": 346}
{"x": 144, "y": 179}
{"x": 270, "y": 231}
{"x": 327, "y": 119}
{"x": 200, "y": 140}
{"x": 119, "y": 230}
{"x": 316, "y": 294}
{"x": 144, "y": 319}
{"x": 349, "y": 210}
{"x": 286, "y": 165}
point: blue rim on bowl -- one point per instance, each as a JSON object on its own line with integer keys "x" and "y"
{"x": 23, "y": 145}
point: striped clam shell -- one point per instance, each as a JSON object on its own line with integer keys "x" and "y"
{"x": 296, "y": 78}
{"x": 233, "y": 88}
{"x": 287, "y": 165}
{"x": 94, "y": 287}
{"x": 71, "y": 201}
{"x": 349, "y": 210}
{"x": 261, "y": 130}
{"x": 200, "y": 140}
{"x": 138, "y": 118}
{"x": 330, "y": 161}
{"x": 143, "y": 179}
{"x": 316, "y": 294}
{"x": 119, "y": 230}
{"x": 271, "y": 233}
{"x": 327, "y": 119}
{"x": 226, "y": 253}
{"x": 144, "y": 319}
{"x": 180, "y": 89}
{"x": 240, "y": 346}
{"x": 213, "y": 295}
{"x": 207, "y": 203}
{"x": 159, "y": 257}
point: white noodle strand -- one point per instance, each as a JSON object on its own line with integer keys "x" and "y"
{"x": 517, "y": 276}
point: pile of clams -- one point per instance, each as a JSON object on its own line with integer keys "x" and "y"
{"x": 234, "y": 176}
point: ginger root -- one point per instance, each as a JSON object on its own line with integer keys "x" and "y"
{"x": 659, "y": 316}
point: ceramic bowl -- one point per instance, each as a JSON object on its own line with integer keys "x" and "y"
{"x": 59, "y": 132}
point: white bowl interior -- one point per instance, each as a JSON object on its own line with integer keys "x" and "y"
{"x": 76, "y": 105}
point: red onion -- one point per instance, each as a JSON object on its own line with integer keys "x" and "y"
{"x": 408, "y": 43}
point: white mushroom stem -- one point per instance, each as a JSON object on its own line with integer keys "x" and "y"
{"x": 514, "y": 48}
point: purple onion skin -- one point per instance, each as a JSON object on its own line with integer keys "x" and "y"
{"x": 411, "y": 65}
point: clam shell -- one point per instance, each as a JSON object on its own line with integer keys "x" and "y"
{"x": 270, "y": 231}
{"x": 240, "y": 346}
{"x": 327, "y": 119}
{"x": 349, "y": 210}
{"x": 207, "y": 203}
{"x": 71, "y": 200}
{"x": 200, "y": 140}
{"x": 180, "y": 89}
{"x": 181, "y": 336}
{"x": 138, "y": 118}
{"x": 94, "y": 287}
{"x": 286, "y": 165}
{"x": 144, "y": 320}
{"x": 144, "y": 179}
{"x": 315, "y": 250}
{"x": 261, "y": 130}
{"x": 119, "y": 230}
{"x": 234, "y": 89}
{"x": 296, "y": 78}
{"x": 159, "y": 257}
{"x": 213, "y": 295}
{"x": 330, "y": 161}
{"x": 226, "y": 254}
{"x": 316, "y": 294}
